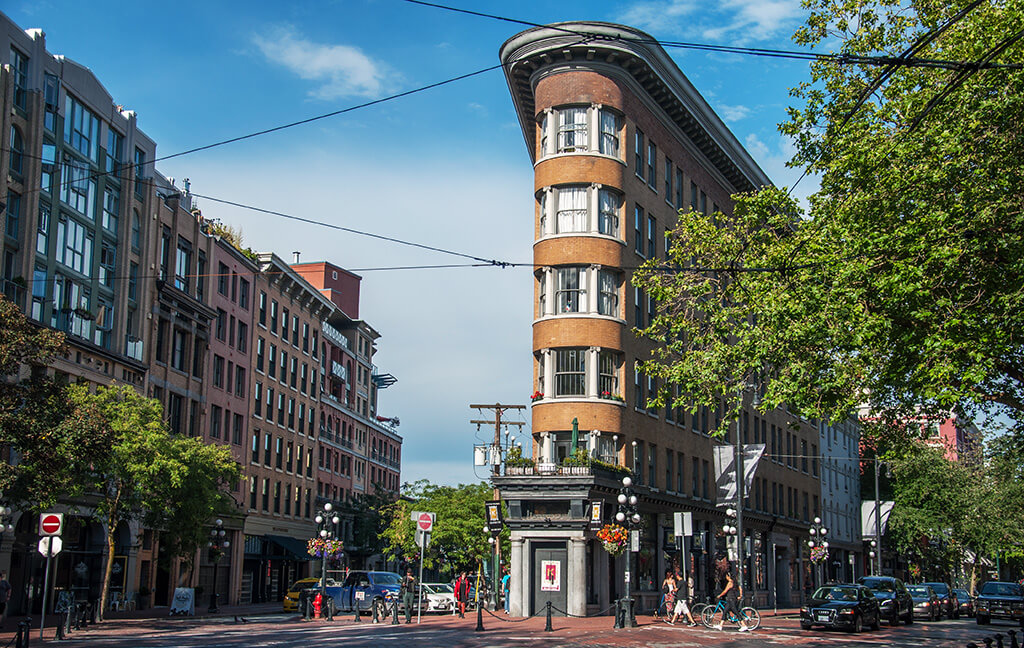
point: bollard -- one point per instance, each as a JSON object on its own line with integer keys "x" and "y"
{"x": 987, "y": 641}
{"x": 547, "y": 624}
{"x": 1013, "y": 639}
{"x": 394, "y": 611}
{"x": 355, "y": 606}
{"x": 329, "y": 610}
{"x": 376, "y": 610}
{"x": 618, "y": 614}
{"x": 479, "y": 617}
{"x": 24, "y": 630}
{"x": 999, "y": 640}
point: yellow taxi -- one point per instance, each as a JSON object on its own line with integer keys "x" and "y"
{"x": 291, "y": 598}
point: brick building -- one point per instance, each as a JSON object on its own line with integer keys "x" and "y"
{"x": 620, "y": 141}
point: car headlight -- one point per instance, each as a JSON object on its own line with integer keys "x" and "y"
{"x": 887, "y": 602}
{"x": 805, "y": 610}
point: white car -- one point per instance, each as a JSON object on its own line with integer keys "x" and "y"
{"x": 438, "y": 597}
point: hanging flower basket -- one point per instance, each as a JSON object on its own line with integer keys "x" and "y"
{"x": 819, "y": 554}
{"x": 614, "y": 538}
{"x": 323, "y": 548}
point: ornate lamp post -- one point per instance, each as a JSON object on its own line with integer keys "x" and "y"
{"x": 326, "y": 522}
{"x": 872, "y": 552}
{"x": 629, "y": 517}
{"x": 817, "y": 541}
{"x": 217, "y": 545}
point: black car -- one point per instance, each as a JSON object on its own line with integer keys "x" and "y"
{"x": 926, "y": 602}
{"x": 998, "y": 600}
{"x": 892, "y": 596}
{"x": 850, "y": 607}
{"x": 947, "y": 600}
{"x": 965, "y": 601}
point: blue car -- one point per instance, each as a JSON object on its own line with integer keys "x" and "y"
{"x": 361, "y": 588}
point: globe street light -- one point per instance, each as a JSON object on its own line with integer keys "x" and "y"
{"x": 818, "y": 539}
{"x": 628, "y": 516}
{"x": 327, "y": 522}
{"x": 217, "y": 545}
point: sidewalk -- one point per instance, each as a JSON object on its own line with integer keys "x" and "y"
{"x": 133, "y": 618}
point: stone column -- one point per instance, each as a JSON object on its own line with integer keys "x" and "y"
{"x": 576, "y": 578}
{"x": 517, "y": 586}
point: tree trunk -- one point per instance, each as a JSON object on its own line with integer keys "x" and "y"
{"x": 109, "y": 568}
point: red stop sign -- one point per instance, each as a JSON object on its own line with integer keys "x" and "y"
{"x": 425, "y": 522}
{"x": 50, "y": 523}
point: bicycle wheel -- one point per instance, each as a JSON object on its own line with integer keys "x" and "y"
{"x": 751, "y": 618}
{"x": 697, "y": 609}
{"x": 707, "y": 615}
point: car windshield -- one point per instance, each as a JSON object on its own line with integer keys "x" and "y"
{"x": 940, "y": 588}
{"x": 918, "y": 590}
{"x": 961, "y": 593}
{"x": 836, "y": 593}
{"x": 1001, "y": 589}
{"x": 386, "y": 578}
{"x": 878, "y": 585}
{"x": 303, "y": 584}
{"x": 438, "y": 588}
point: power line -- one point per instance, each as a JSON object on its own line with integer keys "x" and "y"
{"x": 844, "y": 59}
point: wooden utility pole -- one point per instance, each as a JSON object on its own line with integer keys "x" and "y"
{"x": 498, "y": 409}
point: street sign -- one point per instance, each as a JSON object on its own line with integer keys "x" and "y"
{"x": 425, "y": 522}
{"x": 51, "y": 524}
{"x": 422, "y": 539}
{"x": 50, "y": 546}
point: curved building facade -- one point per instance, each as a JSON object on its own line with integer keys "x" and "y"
{"x": 621, "y": 141}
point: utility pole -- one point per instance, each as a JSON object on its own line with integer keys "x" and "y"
{"x": 498, "y": 410}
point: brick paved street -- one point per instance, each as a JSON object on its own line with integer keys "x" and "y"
{"x": 270, "y": 630}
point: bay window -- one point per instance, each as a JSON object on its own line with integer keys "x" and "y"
{"x": 579, "y": 209}
{"x": 570, "y": 372}
{"x": 572, "y": 130}
{"x": 579, "y": 373}
{"x": 571, "y": 289}
{"x": 580, "y": 129}
{"x": 609, "y": 207}
{"x": 608, "y": 299}
{"x": 610, "y": 126}
{"x": 578, "y": 289}
{"x": 572, "y": 210}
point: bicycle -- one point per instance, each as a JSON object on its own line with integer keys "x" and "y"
{"x": 698, "y": 608}
{"x": 749, "y": 617}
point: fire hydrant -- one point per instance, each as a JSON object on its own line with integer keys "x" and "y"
{"x": 317, "y": 603}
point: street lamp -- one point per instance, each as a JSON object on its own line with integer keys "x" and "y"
{"x": 818, "y": 534}
{"x": 217, "y": 545}
{"x": 628, "y": 516}
{"x": 326, "y": 522}
{"x": 871, "y": 555}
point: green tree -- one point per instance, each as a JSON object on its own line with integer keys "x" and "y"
{"x": 458, "y": 540}
{"x": 172, "y": 483}
{"x": 902, "y": 282}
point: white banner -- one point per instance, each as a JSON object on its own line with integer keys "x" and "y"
{"x": 867, "y": 517}
{"x": 725, "y": 470}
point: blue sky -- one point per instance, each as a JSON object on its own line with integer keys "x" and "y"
{"x": 447, "y": 167}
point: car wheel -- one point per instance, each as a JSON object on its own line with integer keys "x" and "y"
{"x": 858, "y": 624}
{"x": 910, "y": 618}
{"x": 982, "y": 620}
{"x": 805, "y": 626}
{"x": 878, "y": 622}
{"x": 895, "y": 620}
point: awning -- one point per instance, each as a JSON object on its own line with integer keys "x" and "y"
{"x": 293, "y": 548}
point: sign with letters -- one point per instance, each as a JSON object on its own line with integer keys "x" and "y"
{"x": 551, "y": 575}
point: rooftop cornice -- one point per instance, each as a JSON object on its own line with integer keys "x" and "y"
{"x": 637, "y": 56}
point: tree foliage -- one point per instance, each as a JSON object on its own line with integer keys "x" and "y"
{"x": 173, "y": 484}
{"x": 458, "y": 540}
{"x": 902, "y": 281}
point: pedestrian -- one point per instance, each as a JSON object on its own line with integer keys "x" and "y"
{"x": 408, "y": 591}
{"x": 505, "y": 586}
{"x": 5, "y": 596}
{"x": 462, "y": 586}
{"x": 684, "y": 592}
{"x": 668, "y": 594}
{"x": 732, "y": 590}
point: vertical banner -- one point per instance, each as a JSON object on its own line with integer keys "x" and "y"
{"x": 752, "y": 453}
{"x": 725, "y": 474}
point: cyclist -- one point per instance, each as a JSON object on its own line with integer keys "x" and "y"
{"x": 732, "y": 591}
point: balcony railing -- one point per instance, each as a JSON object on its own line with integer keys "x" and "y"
{"x": 550, "y": 469}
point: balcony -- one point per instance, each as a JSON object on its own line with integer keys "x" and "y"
{"x": 594, "y": 469}
{"x": 133, "y": 348}
{"x": 334, "y": 335}
{"x": 338, "y": 370}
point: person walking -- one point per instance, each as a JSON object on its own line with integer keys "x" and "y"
{"x": 5, "y": 596}
{"x": 732, "y": 590}
{"x": 408, "y": 591}
{"x": 668, "y": 595}
{"x": 506, "y": 580}
{"x": 684, "y": 592}
{"x": 462, "y": 586}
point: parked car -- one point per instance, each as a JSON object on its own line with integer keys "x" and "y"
{"x": 892, "y": 595}
{"x": 438, "y": 597}
{"x": 926, "y": 602}
{"x": 850, "y": 607}
{"x": 362, "y": 588}
{"x": 947, "y": 600}
{"x": 965, "y": 601}
{"x": 291, "y": 597}
{"x": 998, "y": 600}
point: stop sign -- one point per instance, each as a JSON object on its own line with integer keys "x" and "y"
{"x": 426, "y": 522}
{"x": 50, "y": 524}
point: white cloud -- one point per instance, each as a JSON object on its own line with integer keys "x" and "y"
{"x": 734, "y": 21}
{"x": 772, "y": 158}
{"x": 341, "y": 70}
{"x": 733, "y": 113}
